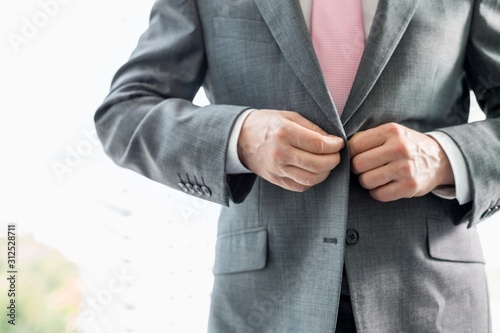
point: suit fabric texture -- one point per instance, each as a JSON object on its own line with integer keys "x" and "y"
{"x": 416, "y": 264}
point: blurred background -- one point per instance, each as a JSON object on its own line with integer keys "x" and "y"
{"x": 99, "y": 248}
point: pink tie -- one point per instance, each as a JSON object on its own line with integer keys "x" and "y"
{"x": 339, "y": 40}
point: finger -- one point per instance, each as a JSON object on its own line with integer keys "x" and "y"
{"x": 377, "y": 177}
{"x": 291, "y": 185}
{"x": 312, "y": 162}
{"x": 372, "y": 159}
{"x": 304, "y": 177}
{"x": 369, "y": 139}
{"x": 386, "y": 193}
{"x": 394, "y": 191}
{"x": 300, "y": 120}
{"x": 403, "y": 171}
{"x": 313, "y": 142}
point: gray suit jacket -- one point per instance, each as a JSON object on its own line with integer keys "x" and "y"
{"x": 416, "y": 265}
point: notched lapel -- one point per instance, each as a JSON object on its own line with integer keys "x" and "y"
{"x": 390, "y": 22}
{"x": 286, "y": 22}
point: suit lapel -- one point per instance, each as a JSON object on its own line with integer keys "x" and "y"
{"x": 286, "y": 22}
{"x": 390, "y": 22}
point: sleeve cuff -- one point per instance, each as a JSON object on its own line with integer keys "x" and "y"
{"x": 233, "y": 163}
{"x": 462, "y": 189}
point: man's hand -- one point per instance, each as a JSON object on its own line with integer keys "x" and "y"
{"x": 287, "y": 150}
{"x": 395, "y": 162}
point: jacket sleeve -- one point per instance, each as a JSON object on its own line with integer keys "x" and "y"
{"x": 480, "y": 141}
{"x": 148, "y": 123}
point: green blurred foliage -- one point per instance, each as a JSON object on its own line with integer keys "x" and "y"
{"x": 47, "y": 289}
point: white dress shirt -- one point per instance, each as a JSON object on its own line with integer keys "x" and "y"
{"x": 461, "y": 191}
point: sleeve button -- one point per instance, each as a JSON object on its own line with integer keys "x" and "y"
{"x": 198, "y": 190}
{"x": 182, "y": 187}
{"x": 206, "y": 191}
{"x": 190, "y": 187}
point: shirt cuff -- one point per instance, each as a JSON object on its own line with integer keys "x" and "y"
{"x": 233, "y": 163}
{"x": 462, "y": 189}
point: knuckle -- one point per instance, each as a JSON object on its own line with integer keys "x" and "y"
{"x": 278, "y": 172}
{"x": 302, "y": 188}
{"x": 402, "y": 149}
{"x": 292, "y": 115}
{"x": 291, "y": 185}
{"x": 303, "y": 178}
{"x": 279, "y": 157}
{"x": 409, "y": 187}
{"x": 281, "y": 133}
{"x": 394, "y": 129}
{"x": 319, "y": 146}
{"x": 295, "y": 187}
{"x": 307, "y": 180}
{"x": 276, "y": 153}
{"x": 407, "y": 170}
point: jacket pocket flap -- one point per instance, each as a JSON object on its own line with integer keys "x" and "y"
{"x": 240, "y": 252}
{"x": 451, "y": 242}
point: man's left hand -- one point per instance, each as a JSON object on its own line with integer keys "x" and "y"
{"x": 395, "y": 162}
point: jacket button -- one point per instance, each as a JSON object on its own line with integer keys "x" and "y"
{"x": 182, "y": 187}
{"x": 206, "y": 191}
{"x": 190, "y": 187}
{"x": 198, "y": 190}
{"x": 352, "y": 236}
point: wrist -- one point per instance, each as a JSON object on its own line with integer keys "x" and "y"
{"x": 445, "y": 171}
{"x": 244, "y": 141}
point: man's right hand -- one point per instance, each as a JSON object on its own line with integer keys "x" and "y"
{"x": 287, "y": 150}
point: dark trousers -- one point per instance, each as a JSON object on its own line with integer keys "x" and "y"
{"x": 345, "y": 317}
